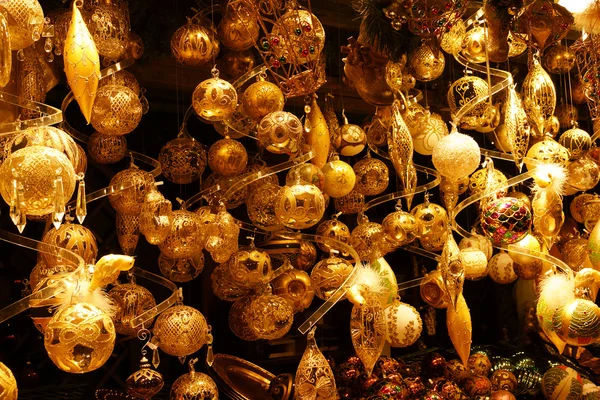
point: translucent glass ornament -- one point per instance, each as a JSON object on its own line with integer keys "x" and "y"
{"x": 222, "y": 236}
{"x": 155, "y": 217}
{"x": 270, "y": 317}
{"x": 186, "y": 237}
{"x": 214, "y": 99}
{"x": 223, "y": 286}
{"x": 117, "y": 110}
{"x": 261, "y": 207}
{"x": 132, "y": 301}
{"x": 295, "y": 287}
{"x": 109, "y": 26}
{"x": 250, "y": 267}
{"x": 314, "y": 376}
{"x": 239, "y": 318}
{"x": 146, "y": 382}
{"x": 107, "y": 149}
{"x": 333, "y": 229}
{"x": 227, "y": 157}
{"x": 194, "y": 44}
{"x": 181, "y": 330}
{"x": 181, "y": 269}
{"x": 128, "y": 232}
{"x": 328, "y": 275}
{"x": 25, "y": 22}
{"x": 367, "y": 329}
{"x": 130, "y": 187}
{"x": 280, "y": 132}
{"x": 122, "y": 78}
{"x": 73, "y": 237}
{"x": 182, "y": 160}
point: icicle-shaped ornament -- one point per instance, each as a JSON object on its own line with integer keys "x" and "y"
{"x": 518, "y": 129}
{"x": 81, "y": 207}
{"x": 400, "y": 145}
{"x": 367, "y": 329}
{"x": 452, "y": 270}
{"x": 458, "y": 321}
{"x": 59, "y": 202}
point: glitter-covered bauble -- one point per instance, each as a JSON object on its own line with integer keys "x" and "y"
{"x": 328, "y": 275}
{"x": 227, "y": 157}
{"x": 501, "y": 268}
{"x": 479, "y": 182}
{"x": 474, "y": 45}
{"x": 117, "y": 110}
{"x": 194, "y": 386}
{"x": 262, "y": 98}
{"x": 261, "y": 207}
{"x": 297, "y": 37}
{"x": 403, "y": 324}
{"x": 182, "y": 160}
{"x": 352, "y": 203}
{"x": 576, "y": 141}
{"x": 561, "y": 383}
{"x": 25, "y": 19}
{"x": 107, "y": 149}
{"x": 181, "y": 330}
{"x": 130, "y": 187}
{"x": 214, "y": 99}
{"x": 463, "y": 91}
{"x": 547, "y": 151}
{"x": 8, "y": 384}
{"x": 294, "y": 286}
{"x": 429, "y": 134}
{"x": 427, "y": 63}
{"x": 144, "y": 383}
{"x": 567, "y": 115}
{"x": 474, "y": 262}
{"x": 73, "y": 237}
{"x": 333, "y": 229}
{"x": 132, "y": 301}
{"x": 559, "y": 59}
{"x": 506, "y": 220}
{"x": 574, "y": 253}
{"x": 238, "y": 29}
{"x": 305, "y": 173}
{"x": 270, "y": 317}
{"x": 194, "y": 44}
{"x": 181, "y": 269}
{"x": 456, "y": 156}
{"x": 339, "y": 178}
{"x": 223, "y": 286}
{"x": 503, "y": 380}
{"x": 480, "y": 364}
{"x": 433, "y": 221}
{"x": 372, "y": 176}
{"x": 299, "y": 206}
{"x": 280, "y": 132}
{"x": 353, "y": 140}
{"x": 122, "y": 78}
{"x": 80, "y": 338}
{"x": 187, "y": 236}
{"x": 250, "y": 268}
{"x": 401, "y": 228}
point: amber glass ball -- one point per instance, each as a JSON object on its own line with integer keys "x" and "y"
{"x": 372, "y": 176}
{"x": 239, "y": 28}
{"x": 132, "y": 301}
{"x": 332, "y": 229}
{"x": 181, "y": 269}
{"x": 194, "y": 44}
{"x": 328, "y": 275}
{"x": 182, "y": 160}
{"x": 474, "y": 45}
{"x": 250, "y": 268}
{"x": 214, "y": 99}
{"x": 299, "y": 206}
{"x": 223, "y": 286}
{"x": 401, "y": 228}
{"x": 8, "y": 384}
{"x": 576, "y": 141}
{"x": 227, "y": 157}
{"x": 107, "y": 149}
{"x": 261, "y": 207}
{"x": 295, "y": 287}
{"x": 117, "y": 110}
{"x": 130, "y": 187}
{"x": 262, "y": 98}
{"x": 239, "y": 321}
{"x": 194, "y": 386}
{"x": 181, "y": 330}
{"x": 187, "y": 236}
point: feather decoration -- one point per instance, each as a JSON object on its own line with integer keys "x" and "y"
{"x": 548, "y": 190}
{"x": 376, "y": 278}
{"x": 555, "y": 292}
{"x": 588, "y": 20}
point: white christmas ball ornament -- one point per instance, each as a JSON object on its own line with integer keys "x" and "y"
{"x": 456, "y": 156}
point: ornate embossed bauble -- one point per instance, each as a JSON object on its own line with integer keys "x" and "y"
{"x": 433, "y": 221}
{"x": 117, "y": 110}
{"x": 576, "y": 141}
{"x": 297, "y": 37}
{"x": 305, "y": 258}
{"x": 583, "y": 174}
{"x": 32, "y": 175}
{"x": 181, "y": 330}
{"x": 403, "y": 324}
{"x": 8, "y": 384}
{"x": 475, "y": 263}
{"x": 456, "y": 156}
{"x": 367, "y": 239}
{"x": 314, "y": 377}
{"x": 187, "y": 236}
{"x": 332, "y": 229}
{"x": 455, "y": 371}
{"x": 182, "y": 160}
{"x": 107, "y": 149}
{"x": 503, "y": 380}
{"x": 480, "y": 364}
{"x": 250, "y": 268}
{"x": 574, "y": 253}
{"x": 451, "y": 40}
{"x": 80, "y": 338}
{"x": 477, "y": 385}
{"x": 463, "y": 91}
{"x": 239, "y": 318}
{"x": 261, "y": 207}
{"x": 561, "y": 382}
{"x": 567, "y": 115}
{"x": 132, "y": 301}
{"x": 427, "y": 63}
{"x": 294, "y": 286}
{"x": 401, "y": 228}
{"x": 479, "y": 181}
{"x": 429, "y": 134}
{"x": 506, "y": 220}
{"x": 262, "y": 98}
{"x": 122, "y": 78}
{"x": 145, "y": 383}
{"x": 339, "y": 178}
{"x": 299, "y": 206}
{"x": 372, "y": 176}
{"x": 501, "y": 268}
{"x": 238, "y": 29}
{"x": 227, "y": 157}
{"x": 474, "y": 45}
{"x": 222, "y": 236}
{"x": 559, "y": 59}
{"x": 270, "y": 317}
{"x": 25, "y": 20}
{"x": 73, "y": 237}
{"x": 280, "y": 132}
{"x": 194, "y": 44}
{"x": 352, "y": 203}
{"x": 41, "y": 271}
{"x": 181, "y": 269}
{"x": 194, "y": 386}
{"x": 109, "y": 26}
{"x": 432, "y": 290}
{"x": 305, "y": 173}
{"x": 214, "y": 99}
{"x": 223, "y": 286}
{"x": 155, "y": 217}
{"x": 130, "y": 187}
{"x": 577, "y": 322}
{"x": 353, "y": 140}
{"x": 328, "y": 275}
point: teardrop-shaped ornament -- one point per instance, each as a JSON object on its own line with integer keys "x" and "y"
{"x": 59, "y": 203}
{"x": 367, "y": 328}
{"x": 81, "y": 208}
{"x": 314, "y": 377}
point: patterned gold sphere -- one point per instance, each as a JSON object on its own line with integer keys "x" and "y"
{"x": 456, "y": 156}
{"x": 223, "y": 286}
{"x": 181, "y": 269}
{"x": 474, "y": 45}
{"x": 194, "y": 386}
{"x": 41, "y": 271}
{"x": 144, "y": 383}
{"x": 79, "y": 338}
{"x": 304, "y": 174}
{"x": 73, "y": 237}
{"x": 478, "y": 242}
{"x": 403, "y": 324}
{"x": 181, "y": 330}
{"x": 479, "y": 364}
{"x": 299, "y": 206}
{"x": 187, "y": 236}
{"x": 182, "y": 160}
{"x": 577, "y": 206}
{"x": 475, "y": 263}
{"x": 574, "y": 253}
{"x": 501, "y": 268}
{"x": 214, "y": 99}
{"x": 464, "y": 90}
{"x": 239, "y": 318}
{"x": 117, "y": 110}
{"x": 122, "y": 78}
{"x": 109, "y": 26}
{"x": 576, "y": 141}
{"x": 262, "y": 98}
{"x": 268, "y": 177}
{"x": 479, "y": 181}
{"x": 8, "y": 384}
{"x": 227, "y": 157}
{"x": 426, "y": 63}
{"x": 130, "y": 187}
{"x": 451, "y": 41}
{"x": 194, "y": 44}
{"x": 401, "y": 228}
{"x": 548, "y": 151}
{"x": 567, "y": 115}
{"x": 270, "y": 317}
{"x": 299, "y": 35}
{"x": 367, "y": 240}
{"x": 107, "y": 149}
{"x": 328, "y": 275}
{"x": 261, "y": 207}
{"x": 559, "y": 59}
{"x": 238, "y": 29}
{"x": 295, "y": 287}
{"x": 352, "y": 203}
{"x": 25, "y": 20}
{"x": 433, "y": 221}
{"x": 132, "y": 301}
{"x": 280, "y": 132}
{"x": 583, "y": 174}
{"x": 429, "y": 134}
{"x": 339, "y": 178}
{"x": 506, "y": 220}
{"x": 332, "y": 229}
{"x": 372, "y": 176}
{"x": 35, "y": 169}
{"x": 503, "y": 380}
{"x": 250, "y": 268}
{"x": 353, "y": 140}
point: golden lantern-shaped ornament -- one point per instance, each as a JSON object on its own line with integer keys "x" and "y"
{"x": 214, "y": 99}
{"x": 128, "y": 232}
{"x": 80, "y": 338}
{"x": 107, "y": 149}
{"x": 328, "y": 275}
{"x": 194, "y": 44}
{"x": 339, "y": 178}
{"x": 194, "y": 386}
{"x": 270, "y": 317}
{"x": 403, "y": 323}
{"x": 187, "y": 236}
{"x": 227, "y": 157}
{"x": 155, "y": 217}
{"x": 239, "y": 28}
{"x": 299, "y": 206}
{"x": 181, "y": 331}
{"x": 250, "y": 268}
{"x": 372, "y": 176}
{"x": 117, "y": 110}
{"x": 539, "y": 98}
{"x": 182, "y": 160}
{"x": 8, "y": 384}
{"x": 132, "y": 301}
{"x": 314, "y": 376}
{"x": 427, "y": 63}
{"x": 25, "y": 22}
{"x": 129, "y": 190}
{"x": 295, "y": 287}
{"x": 332, "y": 229}
{"x": 262, "y": 98}
{"x": 280, "y": 132}
{"x": 181, "y": 269}
{"x": 261, "y": 207}
{"x": 72, "y": 237}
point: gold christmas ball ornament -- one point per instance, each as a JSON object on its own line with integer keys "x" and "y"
{"x": 250, "y": 268}
{"x": 352, "y": 203}
{"x": 181, "y": 269}
{"x": 576, "y": 141}
{"x": 479, "y": 242}
{"x": 432, "y": 290}
{"x": 300, "y": 206}
{"x": 452, "y": 40}
{"x": 227, "y": 157}
{"x": 130, "y": 187}
{"x": 456, "y": 156}
{"x": 474, "y": 45}
{"x": 135, "y": 46}
{"x": 461, "y": 92}
{"x": 155, "y": 217}
{"x": 234, "y": 64}
{"x": 479, "y": 364}
{"x": 109, "y": 25}
{"x": 306, "y": 174}
{"x": 574, "y": 253}
{"x": 475, "y": 263}
{"x": 559, "y": 59}
{"x": 339, "y": 178}
{"x": 583, "y": 174}
{"x": 107, "y": 149}
{"x": 353, "y": 140}
{"x": 426, "y": 63}
{"x": 25, "y": 20}
{"x": 297, "y": 37}
{"x": 270, "y": 317}
{"x": 262, "y": 98}
{"x": 433, "y": 221}
{"x": 73, "y": 237}
{"x": 295, "y": 287}
{"x": 401, "y": 228}
{"x": 33, "y": 174}
{"x": 332, "y": 229}
{"x": 182, "y": 160}
{"x": 194, "y": 44}
{"x": 372, "y": 176}
{"x": 260, "y": 206}
{"x": 80, "y": 338}
{"x": 187, "y": 236}
{"x": 238, "y": 29}
{"x": 403, "y": 324}
{"x": 8, "y": 384}
{"x": 194, "y": 386}
{"x": 479, "y": 181}
{"x": 328, "y": 275}
{"x": 181, "y": 330}
{"x": 577, "y": 322}
{"x": 41, "y": 271}
{"x": 429, "y": 134}
{"x": 280, "y": 132}
{"x": 367, "y": 240}
{"x": 547, "y": 151}
{"x": 132, "y": 301}
{"x": 567, "y": 115}
{"x": 215, "y": 99}
{"x": 504, "y": 380}
{"x": 529, "y": 242}
{"x": 501, "y": 268}
{"x": 305, "y": 258}
{"x": 239, "y": 321}
{"x": 144, "y": 383}
{"x": 117, "y": 110}
{"x": 223, "y": 286}
{"x": 577, "y": 206}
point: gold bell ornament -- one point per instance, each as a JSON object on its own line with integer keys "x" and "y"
{"x": 300, "y": 206}
{"x": 8, "y": 384}
{"x": 403, "y": 323}
{"x": 214, "y": 99}
{"x": 195, "y": 43}
{"x": 314, "y": 376}
{"x": 146, "y": 382}
{"x": 107, "y": 149}
{"x": 262, "y": 98}
{"x": 328, "y": 275}
{"x": 131, "y": 300}
{"x": 155, "y": 217}
{"x": 295, "y": 287}
{"x": 239, "y": 28}
{"x": 332, "y": 229}
{"x": 194, "y": 385}
{"x": 181, "y": 269}
{"x": 339, "y": 177}
{"x": 182, "y": 160}
{"x": 227, "y": 157}
{"x": 372, "y": 176}
{"x": 280, "y": 132}
{"x": 427, "y": 62}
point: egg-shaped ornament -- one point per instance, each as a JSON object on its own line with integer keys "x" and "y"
{"x": 403, "y": 324}
{"x": 295, "y": 287}
{"x": 72, "y": 237}
{"x": 456, "y": 156}
{"x": 353, "y": 140}
{"x": 475, "y": 263}
{"x": 8, "y": 384}
{"x": 280, "y": 132}
{"x": 181, "y": 331}
{"x": 195, "y": 44}
{"x": 107, "y": 149}
{"x": 262, "y": 98}
{"x": 194, "y": 386}
{"x": 559, "y": 59}
{"x": 433, "y": 221}
{"x": 238, "y": 29}
{"x": 306, "y": 173}
{"x": 25, "y": 20}
{"x": 427, "y": 62}
{"x": 339, "y": 178}
{"x": 270, "y": 317}
{"x": 576, "y": 141}
{"x": 506, "y": 220}
{"x": 474, "y": 45}
{"x": 130, "y": 186}
{"x": 132, "y": 301}
{"x": 501, "y": 268}
{"x": 567, "y": 115}
{"x": 227, "y": 157}
{"x": 583, "y": 174}
{"x": 461, "y": 92}
{"x": 300, "y": 206}
{"x": 214, "y": 99}
{"x": 429, "y": 134}
{"x": 260, "y": 206}
{"x": 297, "y": 37}
{"x": 117, "y": 110}
{"x": 332, "y": 229}
{"x": 562, "y": 383}
{"x": 547, "y": 151}
{"x": 372, "y": 176}
{"x": 181, "y": 269}
{"x": 328, "y": 275}
{"x": 401, "y": 228}
{"x": 250, "y": 268}
{"x": 80, "y": 338}
{"x": 182, "y": 160}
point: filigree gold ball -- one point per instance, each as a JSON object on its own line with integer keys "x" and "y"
{"x": 239, "y": 28}
{"x": 339, "y": 178}
{"x": 295, "y": 287}
{"x": 456, "y": 156}
{"x": 262, "y": 98}
{"x": 280, "y": 132}
{"x": 433, "y": 221}
{"x": 250, "y": 268}
{"x": 182, "y": 160}
{"x": 194, "y": 44}
{"x": 559, "y": 59}
{"x": 223, "y": 286}
{"x": 80, "y": 338}
{"x": 567, "y": 115}
{"x": 181, "y": 269}
{"x": 194, "y": 386}
{"x": 215, "y": 99}
{"x": 299, "y": 206}
{"x": 474, "y": 45}
{"x": 261, "y": 207}
{"x": 367, "y": 240}
{"x": 429, "y": 133}
{"x": 306, "y": 173}
{"x": 41, "y": 271}
{"x": 73, "y": 237}
{"x": 181, "y": 330}
{"x": 297, "y": 37}
{"x": 328, "y": 275}
{"x": 227, "y": 157}
{"x": 372, "y": 176}
{"x": 187, "y": 236}
{"x": 353, "y": 140}
{"x": 547, "y": 151}
{"x": 132, "y": 301}
{"x": 25, "y": 20}
{"x": 109, "y": 26}
{"x": 117, "y": 110}
{"x": 239, "y": 321}
{"x": 574, "y": 253}
{"x": 576, "y": 141}
{"x": 403, "y": 324}
{"x": 352, "y": 203}
{"x": 107, "y": 149}
{"x": 122, "y": 78}
{"x": 464, "y": 90}
{"x": 401, "y": 228}
{"x": 8, "y": 384}
{"x": 426, "y": 63}
{"x": 479, "y": 181}
{"x": 130, "y": 187}
{"x": 451, "y": 41}
{"x": 332, "y": 229}
{"x": 270, "y": 317}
